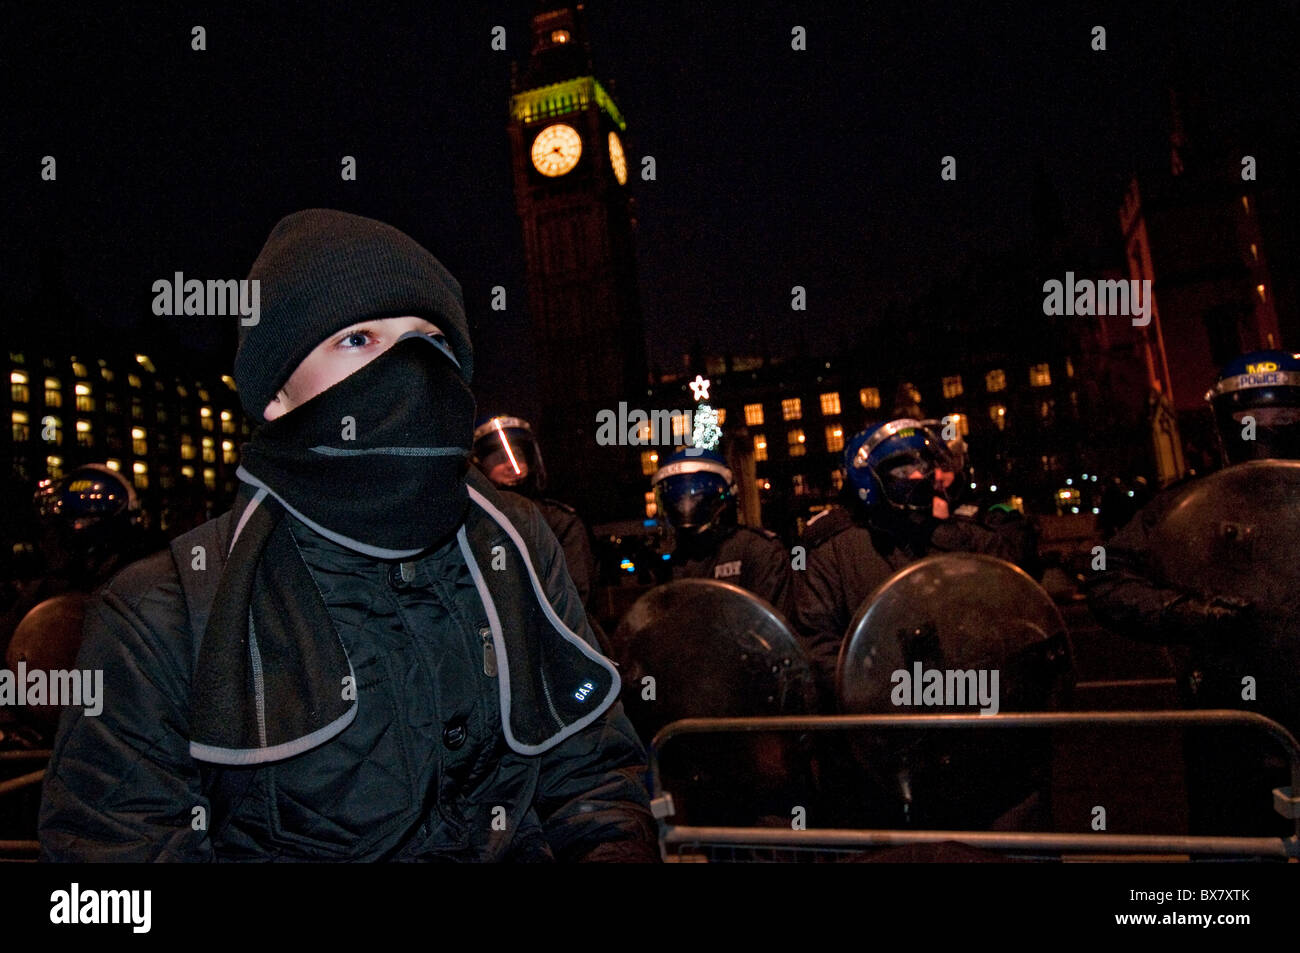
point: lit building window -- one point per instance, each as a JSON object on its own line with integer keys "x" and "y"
{"x": 559, "y": 36}
{"x": 228, "y": 451}
{"x": 834, "y": 438}
{"x": 791, "y": 408}
{"x": 1254, "y": 251}
{"x": 137, "y": 409}
{"x": 952, "y": 386}
{"x": 651, "y": 508}
{"x": 998, "y": 414}
{"x": 209, "y": 450}
{"x": 869, "y": 397}
{"x": 643, "y": 431}
{"x": 203, "y": 395}
{"x": 54, "y": 467}
{"x": 18, "y": 387}
{"x": 57, "y": 424}
{"x": 85, "y": 437}
{"x": 114, "y": 465}
{"x": 85, "y": 402}
{"x": 53, "y": 393}
{"x": 800, "y": 484}
{"x": 107, "y": 374}
{"x": 206, "y": 414}
{"x": 133, "y": 380}
{"x": 181, "y": 391}
{"x": 210, "y": 478}
{"x": 995, "y": 381}
{"x": 141, "y": 475}
{"x": 187, "y": 472}
{"x": 837, "y": 479}
{"x": 1245, "y": 203}
{"x": 961, "y": 421}
{"x": 1040, "y": 375}
{"x": 227, "y": 422}
{"x": 1260, "y": 289}
{"x": 79, "y": 369}
{"x": 139, "y": 441}
{"x": 760, "y": 447}
{"x": 681, "y": 425}
{"x": 228, "y": 381}
{"x": 143, "y": 361}
{"x": 1045, "y": 408}
{"x": 795, "y": 442}
{"x": 1069, "y": 367}
{"x": 187, "y": 447}
{"x": 722, "y": 416}
{"x": 754, "y": 415}
{"x": 830, "y": 405}
{"x": 649, "y": 462}
{"x": 21, "y": 428}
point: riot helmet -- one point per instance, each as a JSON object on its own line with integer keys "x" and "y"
{"x": 894, "y": 464}
{"x": 693, "y": 489}
{"x": 507, "y": 453}
{"x": 1256, "y": 403}
{"x": 92, "y": 506}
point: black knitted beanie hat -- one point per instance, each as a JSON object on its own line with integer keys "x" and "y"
{"x": 322, "y": 270}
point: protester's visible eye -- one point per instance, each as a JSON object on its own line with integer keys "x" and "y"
{"x": 356, "y": 339}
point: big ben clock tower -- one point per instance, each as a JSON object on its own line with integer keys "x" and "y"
{"x": 571, "y": 177}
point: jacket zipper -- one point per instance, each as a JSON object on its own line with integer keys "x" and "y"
{"x": 489, "y": 652}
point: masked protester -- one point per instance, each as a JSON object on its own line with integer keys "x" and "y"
{"x": 507, "y": 452}
{"x": 896, "y": 510}
{"x": 335, "y": 669}
{"x": 696, "y": 495}
{"x": 1214, "y": 636}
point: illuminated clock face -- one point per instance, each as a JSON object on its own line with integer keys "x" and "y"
{"x": 556, "y": 149}
{"x": 616, "y": 158}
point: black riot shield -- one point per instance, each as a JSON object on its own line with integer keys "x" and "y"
{"x": 1235, "y": 534}
{"x": 699, "y": 648}
{"x": 948, "y": 613}
{"x": 709, "y": 650}
{"x": 955, "y": 633}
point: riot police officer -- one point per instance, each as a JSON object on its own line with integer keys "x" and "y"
{"x": 1257, "y": 417}
{"x": 1223, "y": 629}
{"x": 896, "y": 510}
{"x": 696, "y": 494}
{"x": 507, "y": 452}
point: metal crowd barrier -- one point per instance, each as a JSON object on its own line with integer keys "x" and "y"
{"x": 21, "y": 850}
{"x": 681, "y": 842}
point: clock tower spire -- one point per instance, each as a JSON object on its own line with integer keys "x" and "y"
{"x": 571, "y": 179}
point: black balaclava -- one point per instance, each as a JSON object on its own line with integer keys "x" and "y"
{"x": 377, "y": 462}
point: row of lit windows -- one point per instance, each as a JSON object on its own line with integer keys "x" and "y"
{"x": 796, "y": 439}
{"x": 21, "y": 431}
{"x": 82, "y": 372}
{"x": 1040, "y": 375}
{"x": 86, "y": 404}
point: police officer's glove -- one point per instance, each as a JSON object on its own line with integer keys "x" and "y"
{"x": 1209, "y": 622}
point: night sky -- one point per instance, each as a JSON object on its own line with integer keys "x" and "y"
{"x": 775, "y": 167}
